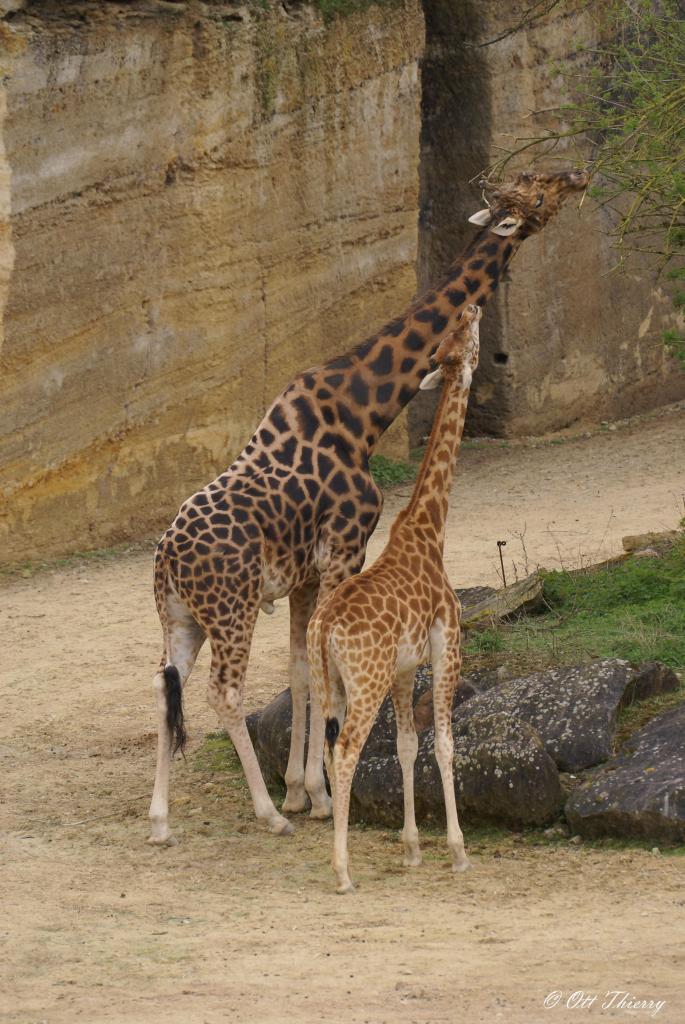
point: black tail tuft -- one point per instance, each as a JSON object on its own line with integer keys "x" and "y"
{"x": 332, "y": 731}
{"x": 174, "y": 708}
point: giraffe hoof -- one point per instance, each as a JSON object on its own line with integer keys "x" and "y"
{"x": 322, "y": 811}
{"x": 345, "y": 888}
{"x": 412, "y": 860}
{"x": 162, "y": 841}
{"x": 460, "y": 866}
{"x": 282, "y": 827}
{"x": 296, "y": 803}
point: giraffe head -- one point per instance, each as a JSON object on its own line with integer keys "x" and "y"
{"x": 526, "y": 204}
{"x": 457, "y": 353}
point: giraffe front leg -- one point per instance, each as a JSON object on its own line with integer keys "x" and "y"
{"x": 296, "y": 796}
{"x": 302, "y": 604}
{"x": 315, "y": 784}
{"x": 446, "y": 661}
{"x": 407, "y": 747}
{"x": 444, "y": 753}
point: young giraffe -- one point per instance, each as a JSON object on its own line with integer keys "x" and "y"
{"x": 372, "y": 632}
{"x": 293, "y": 514}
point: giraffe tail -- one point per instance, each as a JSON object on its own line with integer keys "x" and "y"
{"x": 332, "y": 724}
{"x": 174, "y": 708}
{"x": 173, "y": 689}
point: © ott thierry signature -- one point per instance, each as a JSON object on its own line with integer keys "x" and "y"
{"x": 614, "y": 999}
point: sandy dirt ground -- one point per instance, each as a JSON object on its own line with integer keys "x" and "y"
{"x": 233, "y": 924}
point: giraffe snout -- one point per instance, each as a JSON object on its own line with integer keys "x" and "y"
{"x": 579, "y": 178}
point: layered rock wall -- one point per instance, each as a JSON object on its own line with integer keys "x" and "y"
{"x": 202, "y": 199}
{"x": 198, "y": 199}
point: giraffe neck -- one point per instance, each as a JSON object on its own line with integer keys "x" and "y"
{"x": 430, "y": 498}
{"x": 390, "y": 366}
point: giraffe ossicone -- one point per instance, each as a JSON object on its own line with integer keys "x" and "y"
{"x": 292, "y": 516}
{"x": 371, "y": 633}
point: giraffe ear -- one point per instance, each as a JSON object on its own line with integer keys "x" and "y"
{"x": 507, "y": 226}
{"x": 481, "y": 218}
{"x": 431, "y": 381}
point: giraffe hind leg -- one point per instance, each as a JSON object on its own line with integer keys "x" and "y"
{"x": 225, "y": 695}
{"x": 230, "y": 641}
{"x": 446, "y": 660}
{"x": 302, "y": 604}
{"x": 184, "y": 640}
{"x": 343, "y": 758}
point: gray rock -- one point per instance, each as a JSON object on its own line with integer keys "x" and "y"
{"x": 382, "y": 737}
{"x": 483, "y": 679}
{"x": 377, "y": 794}
{"x": 641, "y": 791}
{"x": 502, "y": 729}
{"x": 547, "y": 700}
{"x": 471, "y": 685}
{"x": 573, "y": 709}
{"x": 252, "y": 723}
{"x": 469, "y": 597}
{"x": 650, "y": 679}
{"x": 647, "y": 553}
{"x": 502, "y": 774}
{"x": 272, "y": 739}
{"x": 480, "y": 610}
{"x": 658, "y": 541}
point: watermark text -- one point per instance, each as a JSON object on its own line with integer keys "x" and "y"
{"x": 613, "y": 999}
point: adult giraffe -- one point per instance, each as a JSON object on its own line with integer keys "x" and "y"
{"x": 292, "y": 516}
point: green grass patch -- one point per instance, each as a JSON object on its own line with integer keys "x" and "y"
{"x": 634, "y": 610}
{"x": 391, "y": 472}
{"x": 636, "y": 715}
{"x": 217, "y": 756}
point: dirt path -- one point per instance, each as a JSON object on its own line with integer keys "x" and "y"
{"x": 236, "y": 925}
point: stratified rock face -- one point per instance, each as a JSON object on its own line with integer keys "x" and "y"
{"x": 204, "y": 200}
{"x": 641, "y": 792}
{"x": 6, "y": 246}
